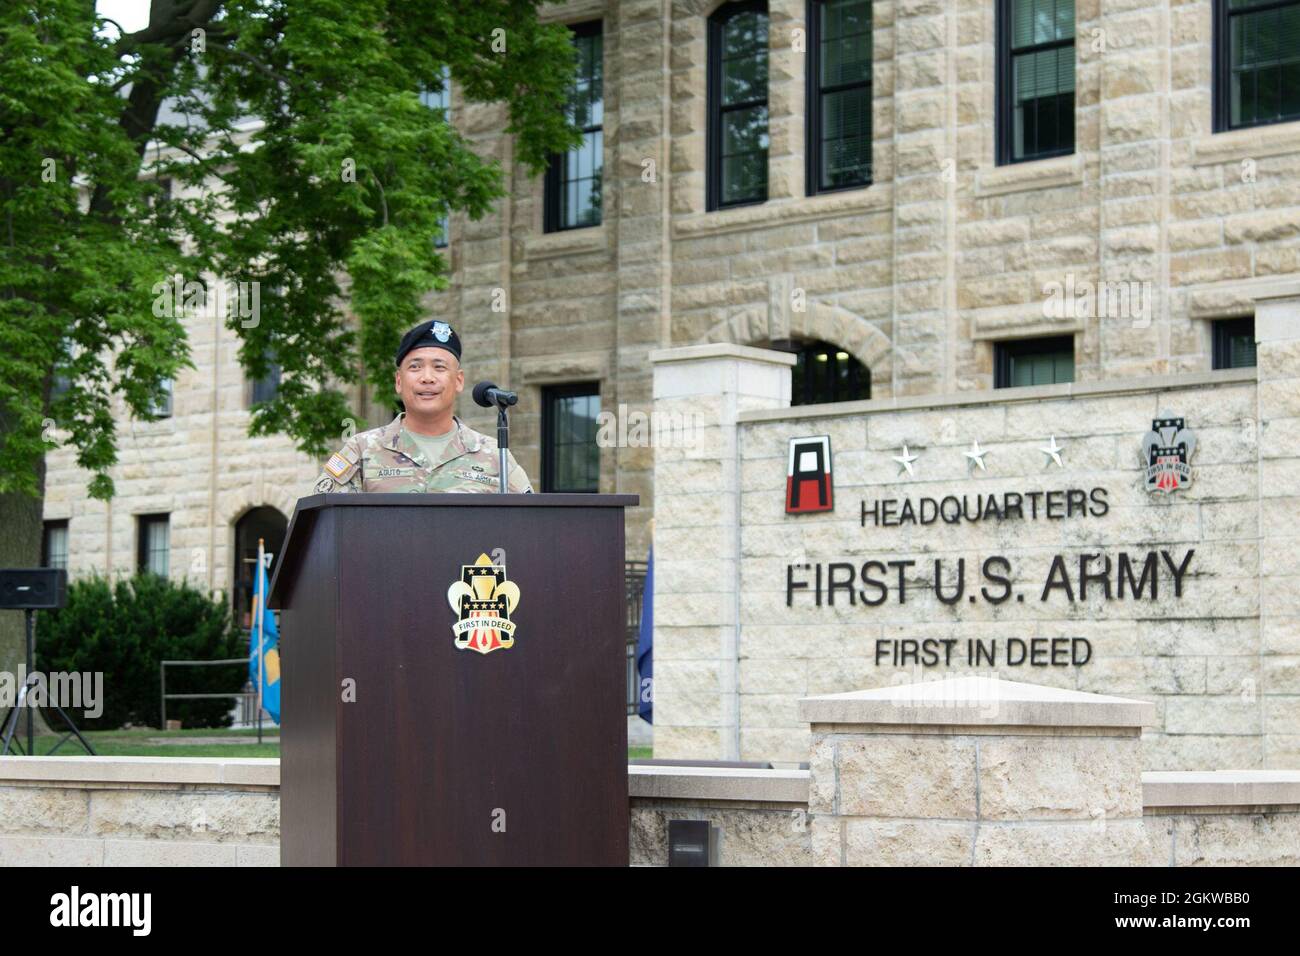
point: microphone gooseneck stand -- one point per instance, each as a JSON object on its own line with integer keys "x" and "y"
{"x": 503, "y": 445}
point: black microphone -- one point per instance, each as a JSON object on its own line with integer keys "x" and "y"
{"x": 488, "y": 395}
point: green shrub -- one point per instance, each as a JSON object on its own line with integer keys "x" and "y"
{"x": 125, "y": 631}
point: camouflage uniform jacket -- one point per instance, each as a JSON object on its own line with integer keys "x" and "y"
{"x": 388, "y": 459}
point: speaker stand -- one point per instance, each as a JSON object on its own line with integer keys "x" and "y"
{"x": 11, "y": 722}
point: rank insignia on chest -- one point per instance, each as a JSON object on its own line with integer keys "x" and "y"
{"x": 483, "y": 600}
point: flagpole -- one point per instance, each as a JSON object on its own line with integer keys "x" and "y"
{"x": 260, "y": 599}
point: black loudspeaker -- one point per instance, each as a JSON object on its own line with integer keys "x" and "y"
{"x": 38, "y": 589}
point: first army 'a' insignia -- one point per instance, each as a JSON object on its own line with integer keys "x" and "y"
{"x": 1166, "y": 453}
{"x": 483, "y": 599}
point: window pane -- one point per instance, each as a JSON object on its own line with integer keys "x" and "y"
{"x": 1043, "y": 118}
{"x": 744, "y": 58}
{"x": 744, "y": 79}
{"x": 163, "y": 407}
{"x": 265, "y": 389}
{"x": 744, "y": 177}
{"x": 826, "y": 373}
{"x": 846, "y": 128}
{"x": 56, "y": 545}
{"x": 156, "y": 548}
{"x": 744, "y": 131}
{"x": 572, "y": 442}
{"x": 573, "y": 184}
{"x": 1241, "y": 351}
{"x": 1264, "y": 80}
{"x": 743, "y": 34}
{"x": 1041, "y": 21}
{"x": 439, "y": 98}
{"x": 1039, "y": 368}
{"x": 846, "y": 60}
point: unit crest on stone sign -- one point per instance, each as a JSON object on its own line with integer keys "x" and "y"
{"x": 483, "y": 599}
{"x": 1166, "y": 453}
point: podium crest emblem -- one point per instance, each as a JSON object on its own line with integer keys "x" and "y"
{"x": 483, "y": 600}
{"x": 1166, "y": 453}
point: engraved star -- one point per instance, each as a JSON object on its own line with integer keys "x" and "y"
{"x": 976, "y": 455}
{"x": 906, "y": 459}
{"x": 1053, "y": 451}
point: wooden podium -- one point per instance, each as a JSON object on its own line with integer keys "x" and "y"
{"x": 399, "y": 747}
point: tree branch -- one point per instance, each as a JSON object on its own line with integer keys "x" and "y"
{"x": 382, "y": 198}
{"x": 279, "y": 78}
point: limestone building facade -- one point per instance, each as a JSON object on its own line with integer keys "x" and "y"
{"x": 936, "y": 196}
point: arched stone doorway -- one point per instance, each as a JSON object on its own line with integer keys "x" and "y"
{"x": 270, "y": 525}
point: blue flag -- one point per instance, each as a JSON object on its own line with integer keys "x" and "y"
{"x": 270, "y": 640}
{"x": 645, "y": 644}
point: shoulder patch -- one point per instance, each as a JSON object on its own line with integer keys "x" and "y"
{"x": 342, "y": 464}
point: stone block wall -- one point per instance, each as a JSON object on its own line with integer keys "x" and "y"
{"x": 908, "y": 776}
{"x": 139, "y": 811}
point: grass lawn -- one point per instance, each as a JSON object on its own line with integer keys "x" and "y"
{"x": 143, "y": 742}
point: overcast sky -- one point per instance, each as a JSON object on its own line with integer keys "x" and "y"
{"x": 132, "y": 14}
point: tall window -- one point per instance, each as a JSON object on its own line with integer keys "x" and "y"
{"x": 439, "y": 98}
{"x": 570, "y": 455}
{"x": 163, "y": 407}
{"x": 54, "y": 545}
{"x": 1035, "y": 79}
{"x": 839, "y": 94}
{"x": 572, "y": 191}
{"x": 1045, "y": 361}
{"x": 267, "y": 387}
{"x": 824, "y": 373}
{"x": 60, "y": 387}
{"x": 738, "y": 139}
{"x": 153, "y": 541}
{"x": 1234, "y": 343}
{"x": 1256, "y": 62}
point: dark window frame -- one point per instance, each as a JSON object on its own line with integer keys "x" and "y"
{"x": 1004, "y": 352}
{"x": 142, "y": 524}
{"x": 1221, "y": 82}
{"x": 553, "y": 185}
{"x": 549, "y": 459}
{"x": 1222, "y": 332}
{"x": 813, "y": 111}
{"x": 46, "y": 528}
{"x": 713, "y": 147}
{"x": 1004, "y": 87}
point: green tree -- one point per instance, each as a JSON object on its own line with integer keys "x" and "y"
{"x": 329, "y": 206}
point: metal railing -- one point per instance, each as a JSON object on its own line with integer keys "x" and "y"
{"x": 634, "y": 579}
{"x": 244, "y": 695}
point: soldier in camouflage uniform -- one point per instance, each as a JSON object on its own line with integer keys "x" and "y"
{"x": 426, "y": 448}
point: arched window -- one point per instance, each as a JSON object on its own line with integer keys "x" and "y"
{"x": 825, "y": 373}
{"x": 268, "y": 524}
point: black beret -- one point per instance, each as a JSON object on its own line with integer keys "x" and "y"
{"x": 435, "y": 333}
